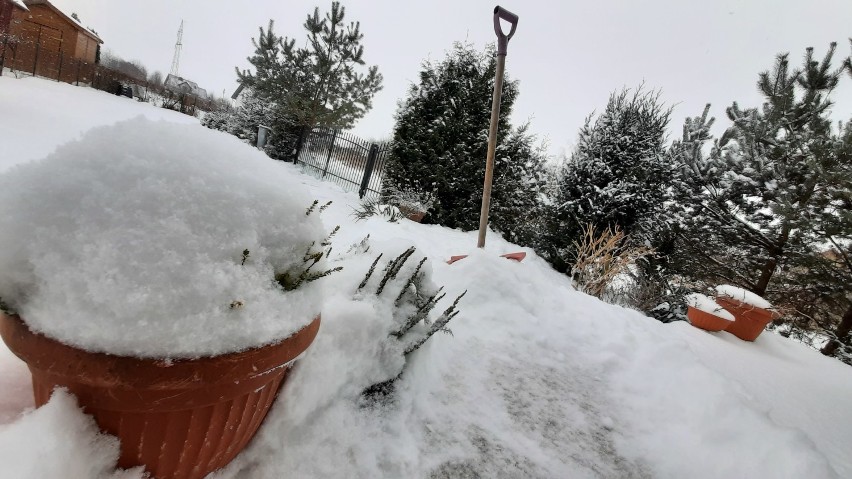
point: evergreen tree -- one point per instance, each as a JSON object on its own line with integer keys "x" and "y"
{"x": 440, "y": 142}
{"x": 619, "y": 173}
{"x": 768, "y": 208}
{"x": 321, "y": 84}
{"x": 763, "y": 184}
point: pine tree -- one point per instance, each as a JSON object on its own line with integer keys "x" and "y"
{"x": 320, "y": 84}
{"x": 440, "y": 141}
{"x": 768, "y": 206}
{"x": 766, "y": 178}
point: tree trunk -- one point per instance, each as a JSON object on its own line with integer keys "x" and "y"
{"x": 840, "y": 333}
{"x": 769, "y": 267}
{"x": 765, "y": 275}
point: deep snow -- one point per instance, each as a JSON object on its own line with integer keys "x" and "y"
{"x": 130, "y": 241}
{"x": 537, "y": 380}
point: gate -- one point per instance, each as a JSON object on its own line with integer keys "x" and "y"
{"x": 349, "y": 161}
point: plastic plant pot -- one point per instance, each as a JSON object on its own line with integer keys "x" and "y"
{"x": 180, "y": 419}
{"x": 750, "y": 320}
{"x": 706, "y": 321}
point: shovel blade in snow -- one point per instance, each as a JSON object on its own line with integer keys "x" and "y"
{"x": 453, "y": 259}
{"x": 519, "y": 256}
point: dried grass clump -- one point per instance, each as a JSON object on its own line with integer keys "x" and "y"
{"x": 601, "y": 257}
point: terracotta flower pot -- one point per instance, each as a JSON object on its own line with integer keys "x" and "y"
{"x": 181, "y": 419}
{"x": 704, "y": 320}
{"x": 750, "y": 320}
{"x": 412, "y": 214}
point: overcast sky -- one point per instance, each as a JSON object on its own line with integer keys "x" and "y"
{"x": 568, "y": 55}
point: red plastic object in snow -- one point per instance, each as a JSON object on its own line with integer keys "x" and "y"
{"x": 519, "y": 256}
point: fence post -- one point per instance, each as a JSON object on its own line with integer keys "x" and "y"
{"x": 3, "y": 56}
{"x": 330, "y": 149}
{"x": 368, "y": 170}
{"x": 59, "y": 74}
{"x": 35, "y": 60}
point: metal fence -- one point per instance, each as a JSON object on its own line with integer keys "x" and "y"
{"x": 351, "y": 162}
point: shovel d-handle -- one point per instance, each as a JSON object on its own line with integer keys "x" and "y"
{"x": 501, "y": 13}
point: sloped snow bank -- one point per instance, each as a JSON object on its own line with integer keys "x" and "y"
{"x": 16, "y": 392}
{"x": 39, "y": 115}
{"x": 702, "y": 404}
{"x": 58, "y": 441}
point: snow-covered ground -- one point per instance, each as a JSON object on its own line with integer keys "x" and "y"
{"x": 537, "y": 379}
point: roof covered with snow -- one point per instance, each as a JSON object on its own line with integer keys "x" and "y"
{"x": 182, "y": 85}
{"x": 86, "y": 30}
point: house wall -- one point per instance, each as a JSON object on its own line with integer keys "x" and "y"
{"x": 5, "y": 17}
{"x": 86, "y": 48}
{"x": 6, "y": 8}
{"x": 48, "y": 43}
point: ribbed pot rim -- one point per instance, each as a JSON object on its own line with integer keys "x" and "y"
{"x": 747, "y": 308}
{"x": 100, "y": 369}
{"x": 706, "y": 320}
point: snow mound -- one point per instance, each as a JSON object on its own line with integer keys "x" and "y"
{"x": 743, "y": 295}
{"x": 708, "y": 305}
{"x": 25, "y": 101}
{"x": 58, "y": 440}
{"x": 130, "y": 240}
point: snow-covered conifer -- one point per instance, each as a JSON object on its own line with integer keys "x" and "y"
{"x": 441, "y": 138}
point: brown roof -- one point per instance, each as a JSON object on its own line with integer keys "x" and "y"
{"x": 79, "y": 26}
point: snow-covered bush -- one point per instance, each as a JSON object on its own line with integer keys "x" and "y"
{"x": 394, "y": 204}
{"x": 138, "y": 239}
{"x": 219, "y": 119}
{"x": 374, "y": 206}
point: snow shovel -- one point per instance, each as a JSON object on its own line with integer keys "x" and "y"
{"x": 502, "y": 45}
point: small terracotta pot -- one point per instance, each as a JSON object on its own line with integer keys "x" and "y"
{"x": 704, "y": 320}
{"x": 181, "y": 419}
{"x": 413, "y": 215}
{"x": 750, "y": 320}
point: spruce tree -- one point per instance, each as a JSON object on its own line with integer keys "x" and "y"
{"x": 440, "y": 141}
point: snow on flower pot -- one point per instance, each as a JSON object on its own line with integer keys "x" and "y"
{"x": 164, "y": 274}
{"x": 412, "y": 201}
{"x": 180, "y": 419}
{"x": 704, "y": 313}
{"x": 751, "y": 312}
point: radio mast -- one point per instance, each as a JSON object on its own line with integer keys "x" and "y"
{"x": 178, "y": 45}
